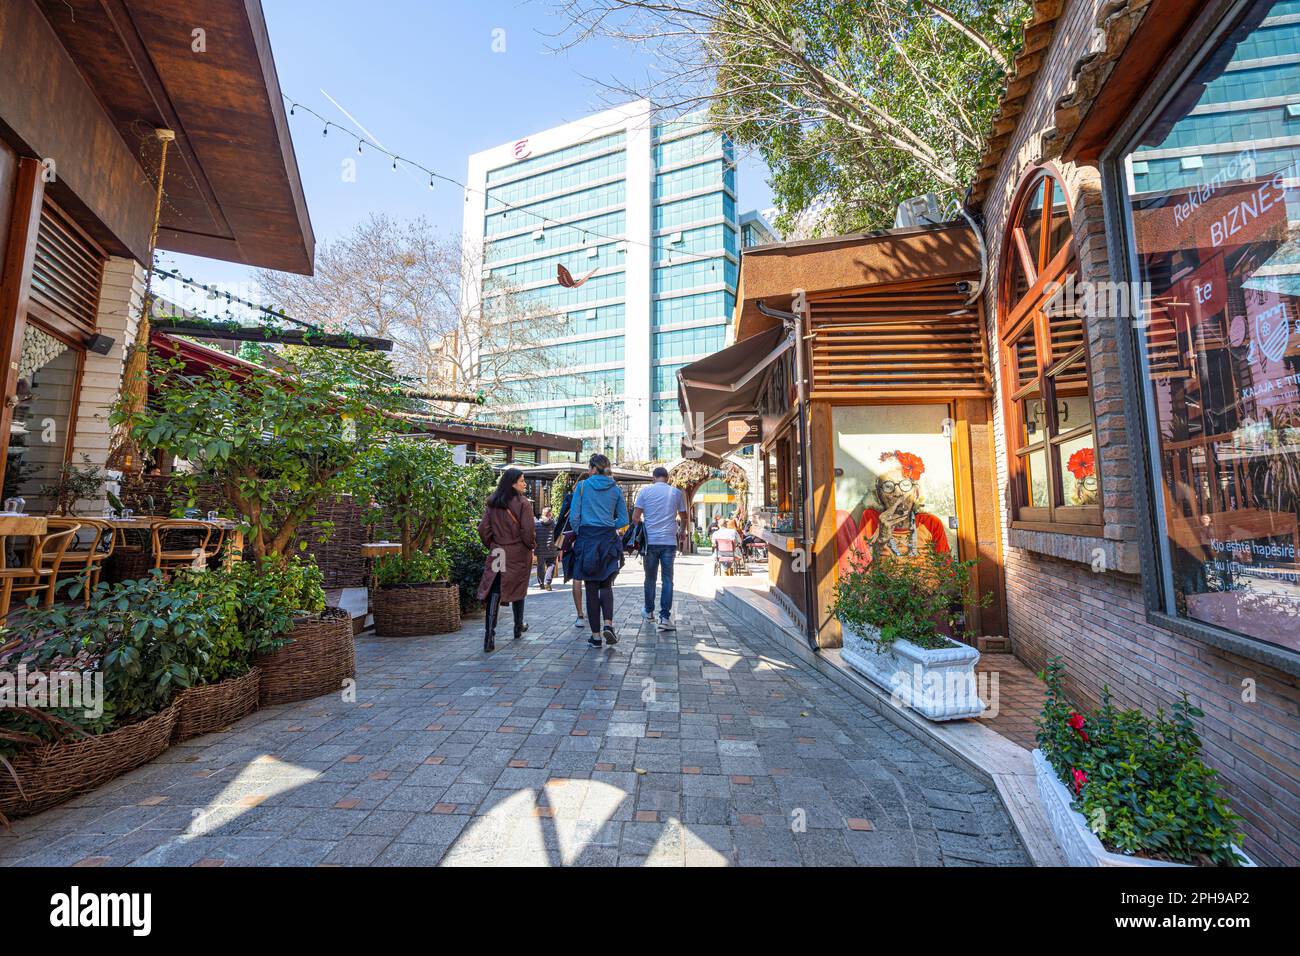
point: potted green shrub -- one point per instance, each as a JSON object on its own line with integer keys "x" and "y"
{"x": 131, "y": 651}
{"x": 893, "y": 612}
{"x": 1121, "y": 788}
{"x": 277, "y": 443}
{"x": 255, "y": 612}
{"x": 416, "y": 486}
{"x": 415, "y": 595}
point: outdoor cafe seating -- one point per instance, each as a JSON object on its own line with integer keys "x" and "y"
{"x": 40, "y": 554}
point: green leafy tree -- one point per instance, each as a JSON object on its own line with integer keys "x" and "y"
{"x": 277, "y": 442}
{"x": 417, "y": 486}
{"x": 854, "y": 105}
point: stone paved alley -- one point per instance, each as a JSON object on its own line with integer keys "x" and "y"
{"x": 700, "y": 747}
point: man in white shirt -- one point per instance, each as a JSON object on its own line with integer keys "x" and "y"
{"x": 663, "y": 509}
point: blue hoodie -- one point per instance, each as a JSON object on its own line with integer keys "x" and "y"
{"x": 598, "y": 503}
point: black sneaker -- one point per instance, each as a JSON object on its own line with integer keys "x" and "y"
{"x": 610, "y": 637}
{"x": 594, "y": 640}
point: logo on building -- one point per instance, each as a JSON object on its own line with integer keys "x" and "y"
{"x": 522, "y": 149}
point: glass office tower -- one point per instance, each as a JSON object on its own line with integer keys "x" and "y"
{"x": 643, "y": 213}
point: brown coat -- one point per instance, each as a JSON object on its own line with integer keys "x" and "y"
{"x": 509, "y": 536}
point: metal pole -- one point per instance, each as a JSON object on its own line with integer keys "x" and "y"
{"x": 795, "y": 323}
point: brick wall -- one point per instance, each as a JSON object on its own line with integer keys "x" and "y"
{"x": 1058, "y": 606}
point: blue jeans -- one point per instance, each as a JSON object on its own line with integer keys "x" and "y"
{"x": 656, "y": 556}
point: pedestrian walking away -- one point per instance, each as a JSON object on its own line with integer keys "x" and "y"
{"x": 597, "y": 515}
{"x": 508, "y": 532}
{"x": 565, "y": 536}
{"x": 662, "y": 510}
{"x": 545, "y": 550}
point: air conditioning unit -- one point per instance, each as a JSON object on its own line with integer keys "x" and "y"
{"x": 918, "y": 211}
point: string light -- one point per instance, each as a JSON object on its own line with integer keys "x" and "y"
{"x": 504, "y": 206}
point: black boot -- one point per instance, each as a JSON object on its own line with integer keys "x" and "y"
{"x": 518, "y": 609}
{"x": 490, "y": 622}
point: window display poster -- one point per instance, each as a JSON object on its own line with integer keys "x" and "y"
{"x": 893, "y": 481}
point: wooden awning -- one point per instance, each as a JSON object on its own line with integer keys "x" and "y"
{"x": 777, "y": 273}
{"x": 88, "y": 81}
{"x": 724, "y": 388}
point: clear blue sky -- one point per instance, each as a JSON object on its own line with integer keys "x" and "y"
{"x": 422, "y": 77}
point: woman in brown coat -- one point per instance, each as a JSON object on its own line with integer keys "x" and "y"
{"x": 508, "y": 533}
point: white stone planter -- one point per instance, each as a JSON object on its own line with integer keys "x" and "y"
{"x": 938, "y": 684}
{"x": 1080, "y": 845}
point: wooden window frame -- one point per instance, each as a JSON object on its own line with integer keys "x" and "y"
{"x": 1045, "y": 273}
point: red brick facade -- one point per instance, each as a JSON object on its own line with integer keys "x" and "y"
{"x": 1097, "y": 621}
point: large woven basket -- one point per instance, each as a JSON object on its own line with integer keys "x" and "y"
{"x": 212, "y": 707}
{"x": 57, "y": 772}
{"x": 412, "y": 610}
{"x": 128, "y": 565}
{"x": 317, "y": 660}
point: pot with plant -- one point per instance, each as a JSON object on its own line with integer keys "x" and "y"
{"x": 121, "y": 663}
{"x": 415, "y": 596}
{"x": 252, "y": 617}
{"x": 896, "y": 614}
{"x": 277, "y": 443}
{"x": 315, "y": 654}
{"x": 1121, "y": 788}
{"x": 416, "y": 487}
{"x": 75, "y": 483}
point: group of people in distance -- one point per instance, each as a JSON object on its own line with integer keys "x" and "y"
{"x": 584, "y": 542}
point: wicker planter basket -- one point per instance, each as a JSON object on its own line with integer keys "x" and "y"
{"x": 212, "y": 707}
{"x": 413, "y": 610}
{"x": 317, "y": 661}
{"x": 128, "y": 566}
{"x": 57, "y": 772}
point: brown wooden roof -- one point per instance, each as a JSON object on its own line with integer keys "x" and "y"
{"x": 1133, "y": 39}
{"x": 774, "y": 273}
{"x": 232, "y": 190}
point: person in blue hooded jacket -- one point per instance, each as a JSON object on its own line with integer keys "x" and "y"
{"x": 598, "y": 514}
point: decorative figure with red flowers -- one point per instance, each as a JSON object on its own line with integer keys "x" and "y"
{"x": 1083, "y": 466}
{"x": 899, "y": 524}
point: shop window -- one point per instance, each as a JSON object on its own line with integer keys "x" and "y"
{"x": 1216, "y": 244}
{"x": 1048, "y": 402}
{"x": 40, "y": 433}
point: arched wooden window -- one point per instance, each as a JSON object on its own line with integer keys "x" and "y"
{"x": 1047, "y": 400}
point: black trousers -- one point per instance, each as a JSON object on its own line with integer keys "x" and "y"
{"x": 600, "y": 600}
{"x": 494, "y": 602}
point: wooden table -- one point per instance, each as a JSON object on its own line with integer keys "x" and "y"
{"x": 371, "y": 550}
{"x": 19, "y": 526}
{"x": 233, "y": 529}
{"x": 13, "y": 525}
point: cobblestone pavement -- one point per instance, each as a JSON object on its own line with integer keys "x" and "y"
{"x": 688, "y": 748}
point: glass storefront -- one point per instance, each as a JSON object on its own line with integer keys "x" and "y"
{"x": 1212, "y": 191}
{"x": 48, "y": 371}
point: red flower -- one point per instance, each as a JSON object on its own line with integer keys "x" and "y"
{"x": 1082, "y": 464}
{"x": 1080, "y": 778}
{"x": 1076, "y": 723}
{"x": 912, "y": 466}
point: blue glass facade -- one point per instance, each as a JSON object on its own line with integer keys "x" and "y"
{"x": 665, "y": 191}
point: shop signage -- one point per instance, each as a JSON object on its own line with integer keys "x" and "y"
{"x": 1222, "y": 219}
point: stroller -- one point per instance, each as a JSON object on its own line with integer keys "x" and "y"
{"x": 728, "y": 558}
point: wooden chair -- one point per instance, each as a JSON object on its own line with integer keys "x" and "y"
{"x": 40, "y": 573}
{"x": 177, "y": 542}
{"x": 213, "y": 551}
{"x": 85, "y": 557}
